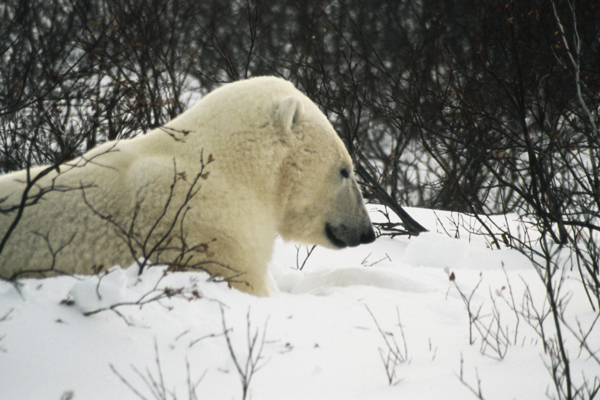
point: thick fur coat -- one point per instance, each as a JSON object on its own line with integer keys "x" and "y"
{"x": 208, "y": 190}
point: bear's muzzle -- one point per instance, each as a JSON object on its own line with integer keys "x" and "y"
{"x": 342, "y": 236}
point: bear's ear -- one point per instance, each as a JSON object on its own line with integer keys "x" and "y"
{"x": 289, "y": 111}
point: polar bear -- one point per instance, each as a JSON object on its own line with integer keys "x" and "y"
{"x": 209, "y": 190}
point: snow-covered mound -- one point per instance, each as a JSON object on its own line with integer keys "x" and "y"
{"x": 385, "y": 321}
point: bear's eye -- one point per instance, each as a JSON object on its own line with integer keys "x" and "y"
{"x": 344, "y": 173}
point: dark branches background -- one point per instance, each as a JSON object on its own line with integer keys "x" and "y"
{"x": 473, "y": 106}
{"x": 440, "y": 103}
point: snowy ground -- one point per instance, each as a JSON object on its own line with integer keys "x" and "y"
{"x": 318, "y": 337}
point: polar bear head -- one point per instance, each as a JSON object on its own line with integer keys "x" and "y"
{"x": 290, "y": 152}
{"x": 323, "y": 203}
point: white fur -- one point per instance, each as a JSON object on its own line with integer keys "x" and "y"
{"x": 276, "y": 169}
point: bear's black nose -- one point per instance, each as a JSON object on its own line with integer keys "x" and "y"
{"x": 368, "y": 237}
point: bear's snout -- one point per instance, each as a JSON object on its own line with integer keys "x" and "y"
{"x": 342, "y": 236}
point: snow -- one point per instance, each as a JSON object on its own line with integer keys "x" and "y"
{"x": 316, "y": 337}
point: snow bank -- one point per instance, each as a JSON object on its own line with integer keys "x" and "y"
{"x": 317, "y": 337}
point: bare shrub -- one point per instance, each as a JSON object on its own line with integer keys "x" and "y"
{"x": 246, "y": 365}
{"x": 395, "y": 352}
{"x": 155, "y": 382}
